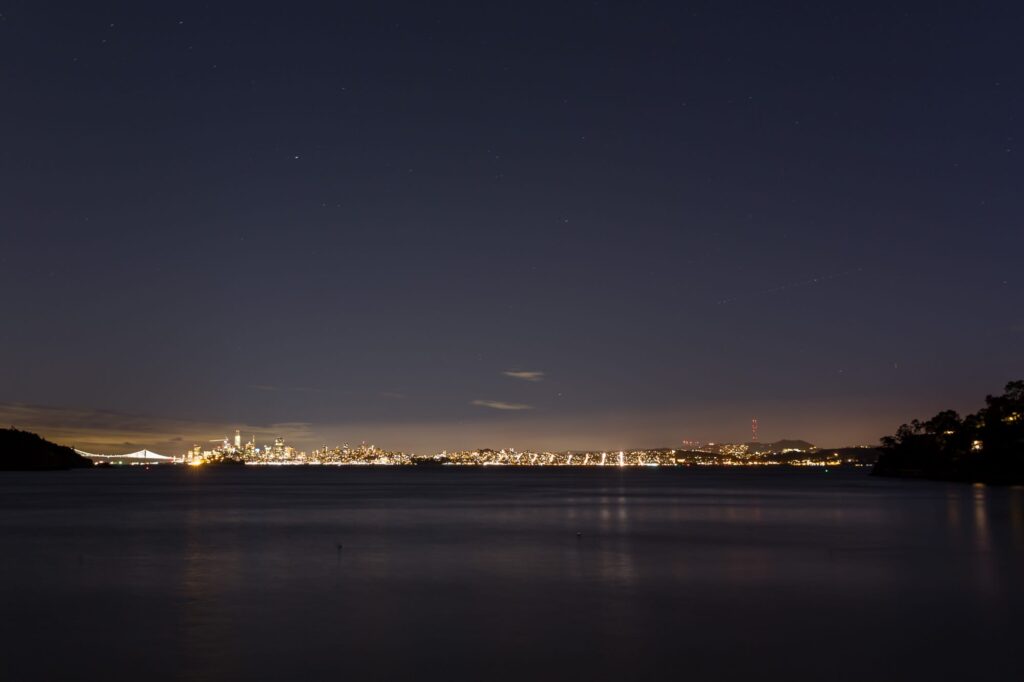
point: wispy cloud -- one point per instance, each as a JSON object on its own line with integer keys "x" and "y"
{"x": 499, "y": 405}
{"x": 525, "y": 375}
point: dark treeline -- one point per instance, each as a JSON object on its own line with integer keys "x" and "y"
{"x": 987, "y": 446}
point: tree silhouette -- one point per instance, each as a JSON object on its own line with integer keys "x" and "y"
{"x": 986, "y": 446}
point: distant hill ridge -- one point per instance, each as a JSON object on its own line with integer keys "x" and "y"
{"x": 25, "y": 451}
{"x": 780, "y": 445}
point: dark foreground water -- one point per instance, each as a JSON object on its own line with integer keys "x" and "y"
{"x": 183, "y": 574}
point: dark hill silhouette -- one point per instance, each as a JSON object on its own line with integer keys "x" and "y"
{"x": 985, "y": 447}
{"x": 24, "y": 451}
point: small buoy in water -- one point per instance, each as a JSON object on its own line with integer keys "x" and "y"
{"x": 579, "y": 535}
{"x": 339, "y": 546}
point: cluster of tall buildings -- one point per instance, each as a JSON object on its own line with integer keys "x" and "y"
{"x": 278, "y": 453}
{"x": 235, "y": 449}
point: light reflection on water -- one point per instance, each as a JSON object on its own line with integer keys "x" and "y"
{"x": 1017, "y": 516}
{"x": 505, "y": 575}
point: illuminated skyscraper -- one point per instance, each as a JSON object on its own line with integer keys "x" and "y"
{"x": 238, "y": 439}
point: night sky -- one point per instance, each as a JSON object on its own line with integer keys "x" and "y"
{"x": 543, "y": 225}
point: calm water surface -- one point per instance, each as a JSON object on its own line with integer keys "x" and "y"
{"x": 184, "y": 574}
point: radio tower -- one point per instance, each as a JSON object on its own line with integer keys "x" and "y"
{"x": 753, "y": 429}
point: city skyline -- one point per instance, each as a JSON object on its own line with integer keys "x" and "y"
{"x": 234, "y": 450}
{"x": 114, "y": 433}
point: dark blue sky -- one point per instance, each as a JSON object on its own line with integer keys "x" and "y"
{"x": 345, "y": 221}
